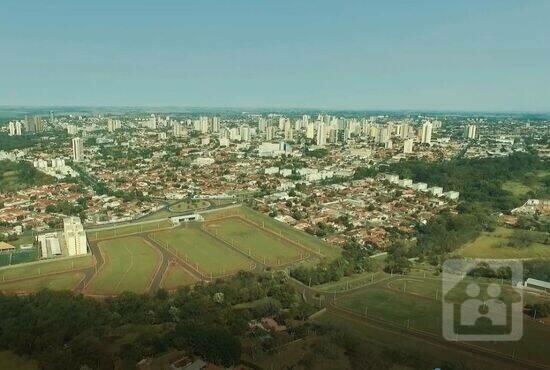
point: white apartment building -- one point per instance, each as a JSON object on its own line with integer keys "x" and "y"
{"x": 75, "y": 236}
{"x": 78, "y": 149}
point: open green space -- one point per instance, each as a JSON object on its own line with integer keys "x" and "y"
{"x": 19, "y": 175}
{"x": 255, "y": 242}
{"x": 9, "y": 360}
{"x": 130, "y": 264}
{"x": 176, "y": 276}
{"x": 354, "y": 281}
{"x": 45, "y": 267}
{"x": 413, "y": 309}
{"x": 531, "y": 182}
{"x": 196, "y": 246}
{"x": 307, "y": 240}
{"x": 128, "y": 229}
{"x": 63, "y": 281}
{"x": 494, "y": 245}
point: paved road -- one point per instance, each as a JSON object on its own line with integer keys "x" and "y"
{"x": 166, "y": 257}
{"x": 91, "y": 271}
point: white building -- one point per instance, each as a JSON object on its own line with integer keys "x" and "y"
{"x": 436, "y": 190}
{"x": 408, "y": 146}
{"x": 452, "y": 195}
{"x": 321, "y": 140}
{"x": 471, "y": 132}
{"x": 426, "y": 137}
{"x": 78, "y": 149}
{"x": 75, "y": 236}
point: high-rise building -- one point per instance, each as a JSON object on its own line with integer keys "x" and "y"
{"x": 179, "y": 130}
{"x": 426, "y": 135}
{"x": 270, "y": 133}
{"x": 310, "y": 130}
{"x": 11, "y": 127}
{"x": 71, "y": 129}
{"x": 18, "y": 128}
{"x": 320, "y": 134}
{"x": 244, "y": 132}
{"x": 75, "y": 236}
{"x": 471, "y": 132}
{"x": 408, "y": 146}
{"x": 78, "y": 149}
{"x": 215, "y": 124}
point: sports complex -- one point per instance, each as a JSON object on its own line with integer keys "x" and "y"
{"x": 158, "y": 253}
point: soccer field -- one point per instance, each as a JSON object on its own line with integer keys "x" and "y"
{"x": 198, "y": 248}
{"x": 261, "y": 245}
{"x": 176, "y": 276}
{"x": 67, "y": 280}
{"x": 130, "y": 264}
{"x": 129, "y": 229}
{"x": 41, "y": 269}
{"x": 387, "y": 301}
{"x": 309, "y": 241}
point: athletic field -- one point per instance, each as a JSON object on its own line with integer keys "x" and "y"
{"x": 202, "y": 251}
{"x": 63, "y": 281}
{"x": 411, "y": 303}
{"x": 126, "y": 230}
{"x": 263, "y": 246}
{"x": 130, "y": 264}
{"x": 45, "y": 268}
{"x": 176, "y": 276}
{"x": 309, "y": 241}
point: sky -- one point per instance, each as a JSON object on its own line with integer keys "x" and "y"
{"x": 489, "y": 55}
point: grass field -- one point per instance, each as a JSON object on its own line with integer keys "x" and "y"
{"x": 9, "y": 360}
{"x": 354, "y": 281}
{"x": 126, "y": 230}
{"x": 289, "y": 232}
{"x": 130, "y": 264}
{"x": 415, "y": 310}
{"x": 68, "y": 280}
{"x": 176, "y": 276}
{"x": 259, "y": 244}
{"x": 43, "y": 268}
{"x": 493, "y": 245}
{"x": 211, "y": 255}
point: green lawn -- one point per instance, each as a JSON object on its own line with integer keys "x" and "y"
{"x": 516, "y": 188}
{"x": 68, "y": 280}
{"x": 176, "y": 276}
{"x": 493, "y": 245}
{"x": 261, "y": 245}
{"x": 42, "y": 268}
{"x": 9, "y": 361}
{"x": 354, "y": 281}
{"x": 130, "y": 264}
{"x": 289, "y": 232}
{"x": 127, "y": 230}
{"x": 425, "y": 314}
{"x": 211, "y": 255}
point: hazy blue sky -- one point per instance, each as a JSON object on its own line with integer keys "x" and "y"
{"x": 471, "y": 55}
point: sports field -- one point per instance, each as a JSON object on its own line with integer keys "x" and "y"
{"x": 67, "y": 280}
{"x": 263, "y": 246}
{"x": 411, "y": 307}
{"x": 493, "y": 245}
{"x": 130, "y": 264}
{"x": 44, "y": 268}
{"x": 198, "y": 248}
{"x": 312, "y": 242}
{"x": 176, "y": 276}
{"x": 123, "y": 230}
